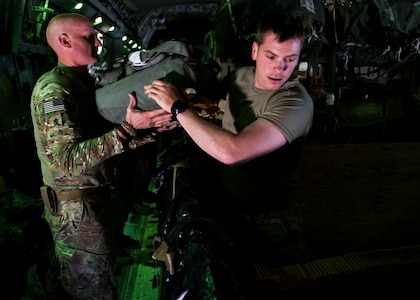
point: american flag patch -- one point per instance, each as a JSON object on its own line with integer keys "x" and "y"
{"x": 54, "y": 105}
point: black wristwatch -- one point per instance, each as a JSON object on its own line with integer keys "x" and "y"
{"x": 178, "y": 107}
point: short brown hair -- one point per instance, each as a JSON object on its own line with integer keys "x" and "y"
{"x": 284, "y": 26}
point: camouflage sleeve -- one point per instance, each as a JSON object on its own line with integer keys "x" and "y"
{"x": 64, "y": 156}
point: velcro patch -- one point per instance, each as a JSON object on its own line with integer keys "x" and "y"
{"x": 54, "y": 105}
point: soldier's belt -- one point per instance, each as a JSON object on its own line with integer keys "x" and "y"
{"x": 90, "y": 193}
{"x": 53, "y": 197}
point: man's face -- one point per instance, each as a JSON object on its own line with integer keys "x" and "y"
{"x": 85, "y": 43}
{"x": 275, "y": 61}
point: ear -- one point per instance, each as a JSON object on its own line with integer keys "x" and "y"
{"x": 254, "y": 50}
{"x": 64, "y": 40}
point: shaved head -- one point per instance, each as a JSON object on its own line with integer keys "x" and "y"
{"x": 74, "y": 39}
{"x": 63, "y": 23}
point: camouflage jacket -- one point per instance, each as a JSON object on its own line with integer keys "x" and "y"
{"x": 74, "y": 142}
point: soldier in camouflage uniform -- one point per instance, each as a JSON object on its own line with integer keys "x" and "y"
{"x": 76, "y": 146}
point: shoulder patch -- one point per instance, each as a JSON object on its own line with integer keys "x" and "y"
{"x": 54, "y": 105}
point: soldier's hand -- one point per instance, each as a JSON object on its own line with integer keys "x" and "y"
{"x": 146, "y": 119}
{"x": 164, "y": 93}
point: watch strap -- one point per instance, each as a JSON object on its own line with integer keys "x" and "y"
{"x": 179, "y": 106}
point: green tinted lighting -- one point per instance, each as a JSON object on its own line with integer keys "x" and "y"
{"x": 98, "y": 20}
{"x": 78, "y": 5}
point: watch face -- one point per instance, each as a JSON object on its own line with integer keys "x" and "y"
{"x": 178, "y": 107}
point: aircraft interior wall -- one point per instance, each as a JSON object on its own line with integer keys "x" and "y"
{"x": 377, "y": 106}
